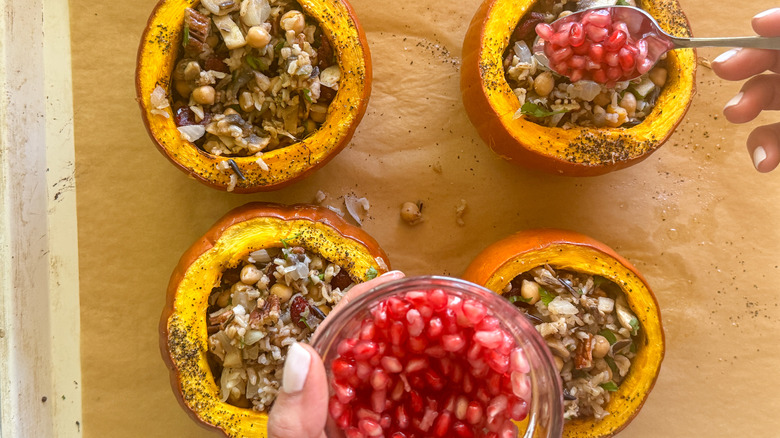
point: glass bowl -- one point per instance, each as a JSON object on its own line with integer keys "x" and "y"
{"x": 545, "y": 406}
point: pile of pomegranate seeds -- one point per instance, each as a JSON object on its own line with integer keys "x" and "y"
{"x": 595, "y": 48}
{"x": 429, "y": 364}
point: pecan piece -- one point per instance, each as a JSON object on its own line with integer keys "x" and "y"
{"x": 341, "y": 280}
{"x": 583, "y": 356}
{"x": 324, "y": 53}
{"x": 197, "y": 27}
{"x": 528, "y": 26}
{"x": 265, "y": 313}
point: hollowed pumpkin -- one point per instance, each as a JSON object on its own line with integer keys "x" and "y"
{"x": 183, "y": 326}
{"x": 157, "y": 54}
{"x": 491, "y": 104}
{"x": 498, "y": 264}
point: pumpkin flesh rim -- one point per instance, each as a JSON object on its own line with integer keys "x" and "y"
{"x": 184, "y": 335}
{"x": 158, "y": 52}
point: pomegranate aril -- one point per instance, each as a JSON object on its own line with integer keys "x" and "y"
{"x": 379, "y": 400}
{"x": 479, "y": 368}
{"x": 346, "y": 347}
{"x": 397, "y": 308}
{"x": 614, "y": 73}
{"x": 545, "y": 31}
{"x": 391, "y": 364}
{"x": 415, "y": 401}
{"x": 474, "y": 311}
{"x": 426, "y": 311}
{"x": 582, "y": 49}
{"x": 518, "y": 361}
{"x": 386, "y": 421}
{"x": 494, "y": 384}
{"x": 644, "y": 65}
{"x": 417, "y": 344}
{"x": 435, "y": 328}
{"x": 379, "y": 313}
{"x": 561, "y": 55}
{"x": 576, "y": 75}
{"x": 462, "y": 430}
{"x": 474, "y": 413}
{"x": 363, "y": 370}
{"x": 344, "y": 393}
{"x": 370, "y": 427}
{"x": 437, "y": 351}
{"x": 461, "y": 406}
{"x": 427, "y": 419}
{"x": 335, "y": 407}
{"x": 508, "y": 430}
{"x": 434, "y": 380}
{"x": 521, "y": 385}
{"x": 468, "y": 384}
{"x": 416, "y": 323}
{"x": 397, "y": 333}
{"x": 342, "y": 369}
{"x": 398, "y": 435}
{"x": 612, "y": 59}
{"x": 487, "y": 324}
{"x": 453, "y": 343}
{"x": 416, "y": 364}
{"x": 364, "y": 412}
{"x": 615, "y": 41}
{"x": 596, "y": 34}
{"x": 600, "y": 18}
{"x": 497, "y": 406}
{"x": 379, "y": 379}
{"x": 401, "y": 417}
{"x": 577, "y": 62}
{"x": 489, "y": 340}
{"x": 365, "y": 350}
{"x": 626, "y": 59}
{"x": 354, "y": 432}
{"x": 398, "y": 391}
{"x": 518, "y": 409}
{"x": 442, "y": 424}
{"x": 576, "y": 35}
{"x": 438, "y": 299}
{"x": 599, "y": 76}
{"x": 592, "y": 66}
{"x": 596, "y": 53}
{"x": 417, "y": 297}
{"x": 345, "y": 419}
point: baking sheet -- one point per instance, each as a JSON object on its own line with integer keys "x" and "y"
{"x": 695, "y": 217}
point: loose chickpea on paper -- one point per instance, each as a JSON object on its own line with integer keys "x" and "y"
{"x": 411, "y": 212}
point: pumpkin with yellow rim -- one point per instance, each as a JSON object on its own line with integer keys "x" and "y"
{"x": 491, "y": 104}
{"x": 498, "y": 264}
{"x": 183, "y": 326}
{"x": 157, "y": 54}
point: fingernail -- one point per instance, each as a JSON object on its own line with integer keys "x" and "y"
{"x": 735, "y": 100}
{"x": 765, "y": 13}
{"x": 392, "y": 273}
{"x": 296, "y": 368}
{"x": 725, "y": 56}
{"x": 759, "y": 155}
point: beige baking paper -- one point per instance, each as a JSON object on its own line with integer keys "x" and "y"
{"x": 695, "y": 217}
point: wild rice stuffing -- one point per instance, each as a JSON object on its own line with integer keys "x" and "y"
{"x": 589, "y": 328}
{"x": 277, "y": 297}
{"x": 254, "y": 75}
{"x": 552, "y": 100}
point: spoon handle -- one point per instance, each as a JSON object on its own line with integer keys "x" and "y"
{"x": 755, "y": 42}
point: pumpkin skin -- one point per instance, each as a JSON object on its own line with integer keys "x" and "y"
{"x": 498, "y": 264}
{"x": 491, "y": 104}
{"x": 183, "y": 326}
{"x": 160, "y": 45}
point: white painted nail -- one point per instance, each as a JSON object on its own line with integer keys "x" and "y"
{"x": 735, "y": 100}
{"x": 725, "y": 56}
{"x": 767, "y": 12}
{"x": 759, "y": 155}
{"x": 296, "y": 368}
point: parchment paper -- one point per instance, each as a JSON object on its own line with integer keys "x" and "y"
{"x": 695, "y": 217}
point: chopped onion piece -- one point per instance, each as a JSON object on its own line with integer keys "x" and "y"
{"x": 336, "y": 210}
{"x": 192, "y": 132}
{"x": 255, "y": 12}
{"x": 330, "y": 77}
{"x": 230, "y": 32}
{"x": 252, "y": 336}
{"x": 158, "y": 98}
{"x": 262, "y": 164}
{"x": 353, "y": 203}
{"x": 261, "y": 256}
{"x": 562, "y": 307}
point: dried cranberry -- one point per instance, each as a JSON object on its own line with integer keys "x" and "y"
{"x": 341, "y": 280}
{"x": 526, "y": 28}
{"x": 297, "y": 309}
{"x": 184, "y": 117}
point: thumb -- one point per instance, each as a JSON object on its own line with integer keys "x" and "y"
{"x": 301, "y": 408}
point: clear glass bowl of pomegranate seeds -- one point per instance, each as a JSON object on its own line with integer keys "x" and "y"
{"x": 437, "y": 357}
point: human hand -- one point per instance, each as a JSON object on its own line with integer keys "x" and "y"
{"x": 301, "y": 408}
{"x": 760, "y": 92}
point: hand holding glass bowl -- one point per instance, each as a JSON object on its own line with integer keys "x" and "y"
{"x": 430, "y": 379}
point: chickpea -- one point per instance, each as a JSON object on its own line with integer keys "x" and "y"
{"x": 600, "y": 346}
{"x": 544, "y": 84}
{"x": 282, "y": 291}
{"x": 192, "y": 71}
{"x": 318, "y": 112}
{"x": 224, "y": 298}
{"x": 294, "y": 21}
{"x": 530, "y": 291}
{"x": 410, "y": 213}
{"x": 246, "y": 102}
{"x": 558, "y": 363}
{"x": 204, "y": 95}
{"x": 628, "y": 102}
{"x": 325, "y": 309}
{"x": 258, "y": 37}
{"x": 250, "y": 274}
{"x": 230, "y": 112}
{"x": 658, "y": 76}
{"x": 602, "y": 99}
{"x": 183, "y": 88}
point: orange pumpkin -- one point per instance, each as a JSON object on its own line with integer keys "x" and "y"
{"x": 498, "y": 264}
{"x": 183, "y": 326}
{"x": 157, "y": 54}
{"x": 491, "y": 104}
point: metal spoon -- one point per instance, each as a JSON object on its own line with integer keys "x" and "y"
{"x": 643, "y": 25}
